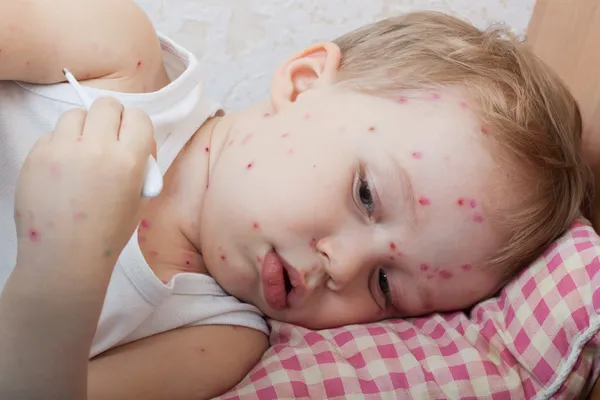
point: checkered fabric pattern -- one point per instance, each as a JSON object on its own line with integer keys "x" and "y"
{"x": 538, "y": 339}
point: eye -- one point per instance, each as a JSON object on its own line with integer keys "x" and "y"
{"x": 365, "y": 194}
{"x": 384, "y": 286}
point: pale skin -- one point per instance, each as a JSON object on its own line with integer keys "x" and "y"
{"x": 382, "y": 206}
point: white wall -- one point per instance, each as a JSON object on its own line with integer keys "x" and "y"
{"x": 240, "y": 42}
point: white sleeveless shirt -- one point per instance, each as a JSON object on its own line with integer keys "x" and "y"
{"x": 137, "y": 303}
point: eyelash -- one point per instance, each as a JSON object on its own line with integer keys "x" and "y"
{"x": 365, "y": 195}
{"x": 384, "y": 286}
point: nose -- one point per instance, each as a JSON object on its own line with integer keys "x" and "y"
{"x": 344, "y": 261}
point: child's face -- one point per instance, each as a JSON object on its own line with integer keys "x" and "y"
{"x": 374, "y": 207}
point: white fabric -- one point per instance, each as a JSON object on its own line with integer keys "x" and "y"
{"x": 137, "y": 304}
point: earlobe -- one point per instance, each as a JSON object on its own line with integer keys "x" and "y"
{"x": 316, "y": 66}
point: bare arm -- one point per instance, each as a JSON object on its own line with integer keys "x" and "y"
{"x": 93, "y": 38}
{"x": 192, "y": 363}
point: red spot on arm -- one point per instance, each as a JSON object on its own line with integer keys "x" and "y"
{"x": 393, "y": 246}
{"x": 472, "y": 203}
{"x": 466, "y": 267}
{"x": 249, "y": 166}
{"x": 256, "y": 225}
{"x": 424, "y": 201}
{"x": 417, "y": 155}
{"x": 145, "y": 224}
{"x": 34, "y": 235}
{"x": 461, "y": 202}
{"x": 446, "y": 274}
{"x": 424, "y": 267}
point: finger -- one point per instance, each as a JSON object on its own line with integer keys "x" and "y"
{"x": 137, "y": 132}
{"x": 103, "y": 120}
{"x": 70, "y": 125}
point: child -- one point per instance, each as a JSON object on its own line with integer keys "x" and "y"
{"x": 408, "y": 167}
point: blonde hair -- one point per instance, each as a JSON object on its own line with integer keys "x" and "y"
{"x": 534, "y": 123}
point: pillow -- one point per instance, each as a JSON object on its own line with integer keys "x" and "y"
{"x": 538, "y": 339}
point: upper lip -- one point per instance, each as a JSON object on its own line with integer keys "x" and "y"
{"x": 296, "y": 279}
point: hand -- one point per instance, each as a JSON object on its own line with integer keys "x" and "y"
{"x": 78, "y": 193}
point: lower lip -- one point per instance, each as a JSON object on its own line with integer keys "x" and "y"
{"x": 273, "y": 282}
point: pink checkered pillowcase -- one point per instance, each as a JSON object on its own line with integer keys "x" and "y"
{"x": 538, "y": 339}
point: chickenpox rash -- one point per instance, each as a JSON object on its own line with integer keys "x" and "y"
{"x": 259, "y": 259}
{"x": 424, "y": 201}
{"x": 285, "y": 135}
{"x": 392, "y": 258}
{"x": 446, "y": 274}
{"x": 34, "y": 235}
{"x": 430, "y": 276}
{"x": 223, "y": 257}
{"x": 424, "y": 267}
{"x": 266, "y": 115}
{"x": 80, "y": 216}
{"x": 417, "y": 155}
{"x": 207, "y": 149}
{"x": 484, "y": 130}
{"x": 307, "y": 116}
{"x": 393, "y": 246}
{"x": 435, "y": 96}
{"x": 247, "y": 138}
{"x": 463, "y": 104}
{"x": 472, "y": 203}
{"x": 250, "y": 165}
{"x": 313, "y": 243}
{"x": 142, "y": 239}
{"x": 402, "y": 100}
{"x": 466, "y": 267}
{"x": 461, "y": 202}
{"x": 478, "y": 218}
{"x": 145, "y": 224}
{"x": 255, "y": 225}
{"x": 79, "y": 139}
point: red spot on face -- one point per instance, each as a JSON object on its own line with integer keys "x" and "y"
{"x": 463, "y": 104}
{"x": 402, "y": 99}
{"x": 290, "y": 152}
{"x": 484, "y": 130}
{"x": 259, "y": 259}
{"x": 424, "y": 201}
{"x": 247, "y": 138}
{"x": 187, "y": 262}
{"x": 313, "y": 243}
{"x": 139, "y": 64}
{"x": 435, "y": 96}
{"x": 266, "y": 115}
{"x": 466, "y": 267}
{"x": 478, "y": 218}
{"x": 393, "y": 246}
{"x": 307, "y": 116}
{"x": 285, "y": 135}
{"x": 461, "y": 201}
{"x": 249, "y": 166}
{"x": 230, "y": 142}
{"x": 417, "y": 155}
{"x": 424, "y": 267}
{"x": 153, "y": 253}
{"x": 145, "y": 224}
{"x": 79, "y": 216}
{"x": 223, "y": 257}
{"x": 371, "y": 129}
{"x": 79, "y": 139}
{"x": 472, "y": 203}
{"x": 142, "y": 239}
{"x": 207, "y": 149}
{"x": 446, "y": 274}
{"x": 255, "y": 225}
{"x": 34, "y": 235}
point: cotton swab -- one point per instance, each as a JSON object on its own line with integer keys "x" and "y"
{"x": 153, "y": 181}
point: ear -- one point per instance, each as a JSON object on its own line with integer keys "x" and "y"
{"x": 316, "y": 66}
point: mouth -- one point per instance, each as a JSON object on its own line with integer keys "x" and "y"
{"x": 282, "y": 284}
